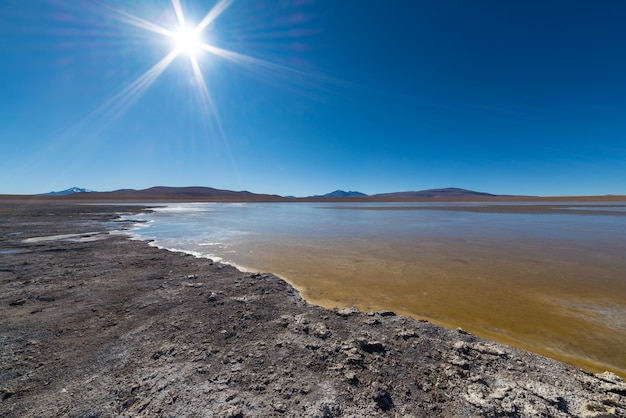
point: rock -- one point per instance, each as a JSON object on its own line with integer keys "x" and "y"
{"x": 195, "y": 285}
{"x": 460, "y": 362}
{"x": 212, "y": 297}
{"x": 476, "y": 394}
{"x": 371, "y": 321}
{"x": 320, "y": 330}
{"x": 301, "y": 319}
{"x": 345, "y": 312}
{"x": 406, "y": 333}
{"x": 231, "y": 412}
{"x": 611, "y": 378}
{"x": 350, "y": 376}
{"x": 257, "y": 276}
{"x": 485, "y": 347}
{"x": 371, "y": 346}
{"x": 300, "y": 324}
{"x": 352, "y": 353}
{"x": 383, "y": 400}
{"x": 460, "y": 346}
{"x": 599, "y": 410}
{"x": 611, "y": 383}
{"x": 285, "y": 320}
{"x": 18, "y": 302}
{"x": 280, "y": 407}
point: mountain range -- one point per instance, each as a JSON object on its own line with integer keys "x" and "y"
{"x": 450, "y": 192}
{"x": 164, "y": 194}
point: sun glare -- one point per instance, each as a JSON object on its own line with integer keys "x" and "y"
{"x": 185, "y": 39}
{"x": 188, "y": 40}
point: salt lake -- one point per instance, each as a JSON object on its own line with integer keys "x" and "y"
{"x": 550, "y": 278}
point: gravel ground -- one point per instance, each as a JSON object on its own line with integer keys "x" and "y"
{"x": 93, "y": 324}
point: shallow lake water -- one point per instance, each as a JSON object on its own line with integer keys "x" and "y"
{"x": 550, "y": 279}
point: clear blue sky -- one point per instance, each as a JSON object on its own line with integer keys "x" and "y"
{"x": 519, "y": 97}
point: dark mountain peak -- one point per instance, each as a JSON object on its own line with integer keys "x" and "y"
{"x": 340, "y": 193}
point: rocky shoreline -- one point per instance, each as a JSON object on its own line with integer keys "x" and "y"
{"x": 93, "y": 324}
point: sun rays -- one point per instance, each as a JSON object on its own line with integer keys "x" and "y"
{"x": 187, "y": 40}
{"x": 192, "y": 39}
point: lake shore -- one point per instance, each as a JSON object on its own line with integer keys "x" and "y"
{"x": 94, "y": 324}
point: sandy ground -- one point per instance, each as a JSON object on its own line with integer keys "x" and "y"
{"x": 95, "y": 325}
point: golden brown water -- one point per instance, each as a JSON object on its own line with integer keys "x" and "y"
{"x": 558, "y": 305}
{"x": 558, "y": 296}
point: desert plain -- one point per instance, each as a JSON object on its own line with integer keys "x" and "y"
{"x": 93, "y": 324}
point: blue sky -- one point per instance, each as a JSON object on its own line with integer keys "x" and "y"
{"x": 513, "y": 97}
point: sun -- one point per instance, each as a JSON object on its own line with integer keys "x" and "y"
{"x": 188, "y": 41}
{"x": 185, "y": 39}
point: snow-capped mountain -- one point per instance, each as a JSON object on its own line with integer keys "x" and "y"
{"x": 71, "y": 190}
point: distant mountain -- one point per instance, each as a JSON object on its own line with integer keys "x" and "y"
{"x": 451, "y": 192}
{"x": 170, "y": 194}
{"x": 339, "y": 193}
{"x": 71, "y": 190}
